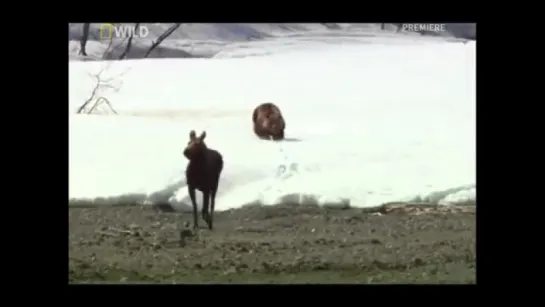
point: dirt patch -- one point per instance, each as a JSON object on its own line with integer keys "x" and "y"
{"x": 277, "y": 244}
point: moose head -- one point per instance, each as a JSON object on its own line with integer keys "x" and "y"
{"x": 196, "y": 146}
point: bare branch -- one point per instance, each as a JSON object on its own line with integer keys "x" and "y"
{"x": 129, "y": 43}
{"x": 93, "y": 93}
{"x": 107, "y": 51}
{"x": 108, "y": 64}
{"x": 110, "y": 50}
{"x": 97, "y": 103}
{"x": 84, "y": 38}
{"x": 161, "y": 38}
{"x": 93, "y": 102}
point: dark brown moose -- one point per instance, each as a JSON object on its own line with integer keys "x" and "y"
{"x": 268, "y": 122}
{"x": 202, "y": 173}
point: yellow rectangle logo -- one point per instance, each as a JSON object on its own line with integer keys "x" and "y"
{"x": 112, "y": 30}
{"x": 106, "y": 31}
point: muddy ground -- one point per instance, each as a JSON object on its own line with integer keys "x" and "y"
{"x": 276, "y": 244}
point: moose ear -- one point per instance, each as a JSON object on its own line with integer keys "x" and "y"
{"x": 192, "y": 135}
{"x": 203, "y": 135}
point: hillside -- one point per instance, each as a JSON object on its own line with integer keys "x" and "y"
{"x": 210, "y": 40}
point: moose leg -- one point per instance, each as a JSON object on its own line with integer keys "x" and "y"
{"x": 205, "y": 204}
{"x": 212, "y": 204}
{"x": 194, "y": 203}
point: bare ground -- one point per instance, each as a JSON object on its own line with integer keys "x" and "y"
{"x": 276, "y": 244}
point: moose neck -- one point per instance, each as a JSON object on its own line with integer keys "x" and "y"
{"x": 197, "y": 159}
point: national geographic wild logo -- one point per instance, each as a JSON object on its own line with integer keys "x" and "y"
{"x": 113, "y": 30}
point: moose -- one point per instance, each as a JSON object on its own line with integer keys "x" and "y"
{"x": 268, "y": 122}
{"x": 202, "y": 173}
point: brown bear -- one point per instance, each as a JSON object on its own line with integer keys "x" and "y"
{"x": 268, "y": 122}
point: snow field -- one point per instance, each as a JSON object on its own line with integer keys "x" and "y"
{"x": 366, "y": 124}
